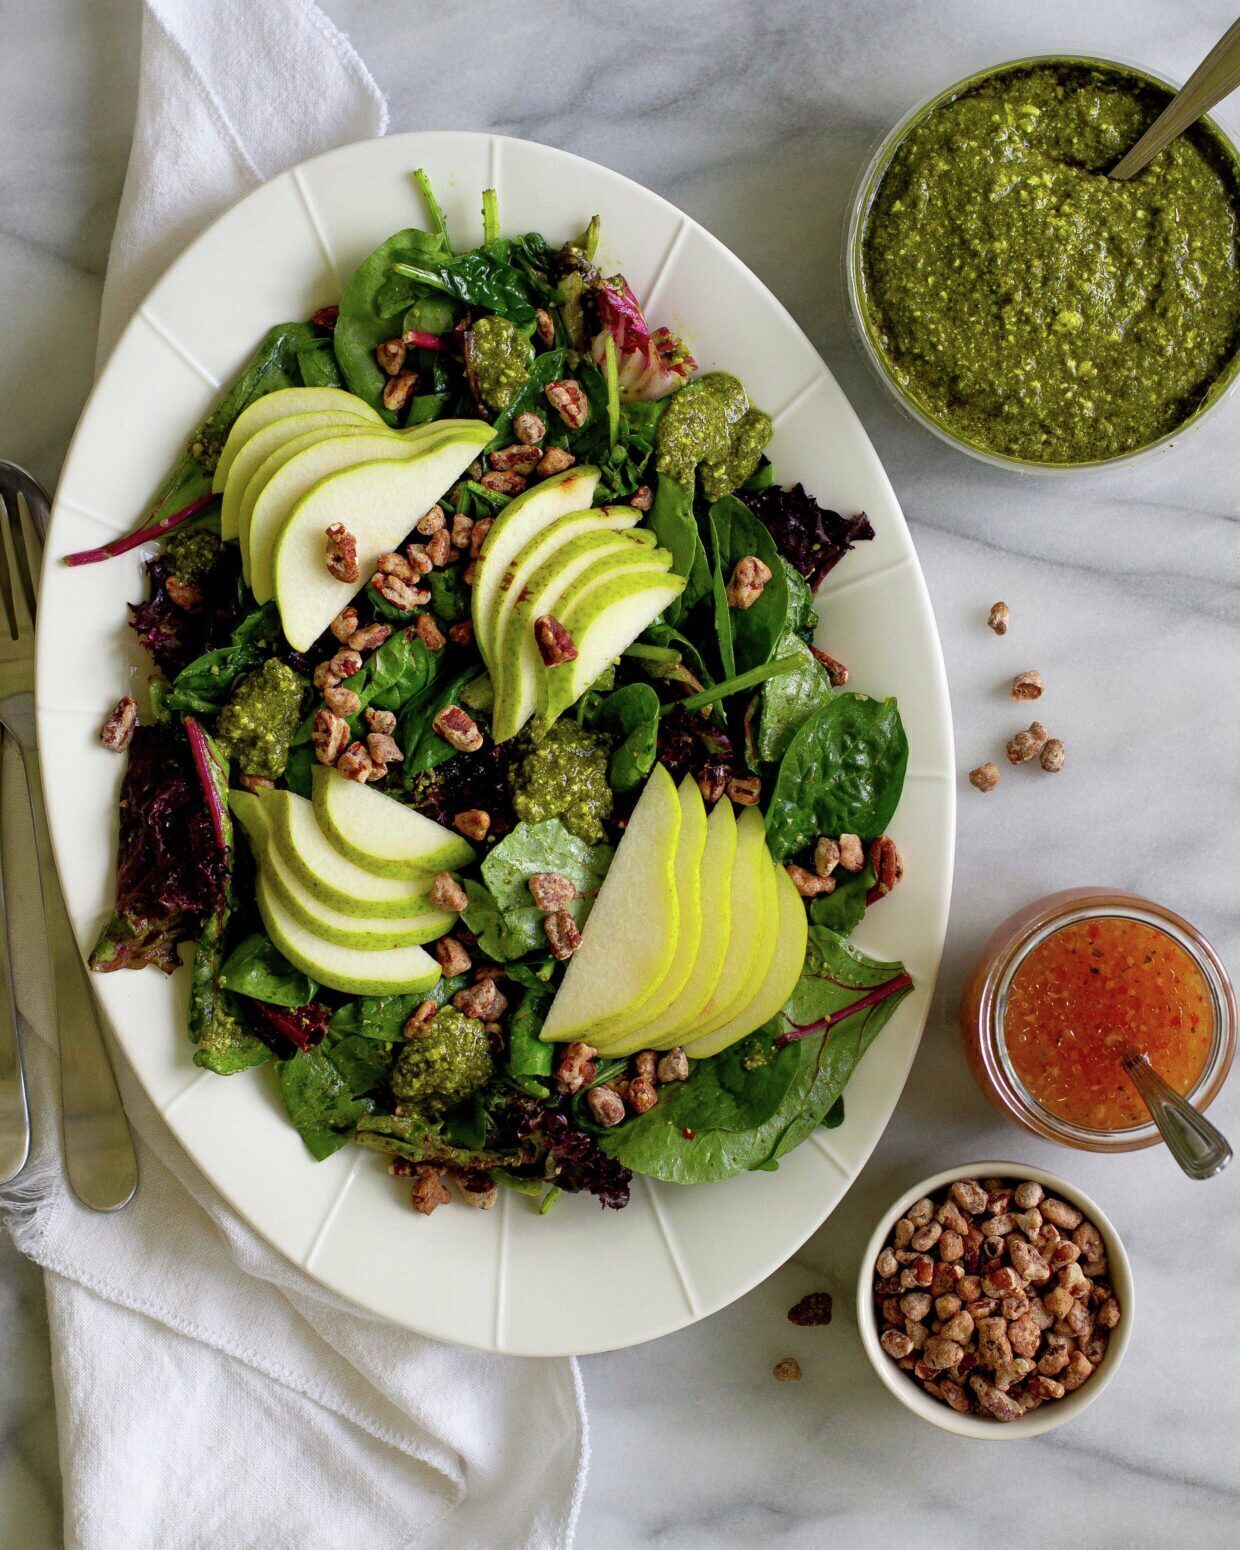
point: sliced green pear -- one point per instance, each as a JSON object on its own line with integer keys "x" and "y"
{"x": 631, "y": 936}
{"x": 791, "y": 935}
{"x": 518, "y": 667}
{"x": 750, "y": 892}
{"x": 279, "y": 406}
{"x": 344, "y": 930}
{"x": 381, "y": 834}
{"x": 378, "y": 503}
{"x": 573, "y": 490}
{"x": 543, "y": 545}
{"x": 262, "y": 444}
{"x": 602, "y": 622}
{"x": 706, "y": 966}
{"x": 328, "y": 876}
{"x": 358, "y": 971}
{"x": 690, "y": 846}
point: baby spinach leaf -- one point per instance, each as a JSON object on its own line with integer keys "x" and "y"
{"x": 384, "y": 1017}
{"x": 842, "y": 774}
{"x": 362, "y": 1063}
{"x": 787, "y": 702}
{"x": 483, "y": 278}
{"x": 319, "y": 1102}
{"x": 802, "y": 615}
{"x": 256, "y": 968}
{"x": 204, "y": 686}
{"x": 754, "y": 631}
{"x": 844, "y": 909}
{"x": 415, "y": 732}
{"x": 529, "y": 1059}
{"x": 631, "y": 715}
{"x": 316, "y": 364}
{"x": 450, "y": 597}
{"x": 672, "y": 520}
{"x": 501, "y": 912}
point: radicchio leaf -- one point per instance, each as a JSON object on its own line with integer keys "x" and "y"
{"x": 304, "y": 1026}
{"x": 650, "y": 365}
{"x": 813, "y": 538}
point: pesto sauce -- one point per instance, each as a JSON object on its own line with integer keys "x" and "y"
{"x": 711, "y": 423}
{"x": 192, "y": 553}
{"x": 564, "y": 776}
{"x": 445, "y": 1064}
{"x": 256, "y": 726}
{"x": 1033, "y": 306}
{"x": 499, "y": 359}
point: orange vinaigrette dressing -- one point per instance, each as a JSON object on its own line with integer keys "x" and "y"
{"x": 1090, "y": 993}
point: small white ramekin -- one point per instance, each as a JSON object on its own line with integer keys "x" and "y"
{"x": 1052, "y": 1413}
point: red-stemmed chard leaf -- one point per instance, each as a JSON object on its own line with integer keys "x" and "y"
{"x": 142, "y": 535}
{"x": 213, "y": 778}
{"x": 419, "y": 339}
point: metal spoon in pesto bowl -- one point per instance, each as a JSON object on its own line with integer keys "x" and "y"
{"x": 1216, "y": 77}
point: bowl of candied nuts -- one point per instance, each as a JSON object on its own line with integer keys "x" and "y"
{"x": 995, "y": 1300}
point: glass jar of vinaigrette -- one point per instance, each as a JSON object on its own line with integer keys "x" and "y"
{"x": 1070, "y": 985}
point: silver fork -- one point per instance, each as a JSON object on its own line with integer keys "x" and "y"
{"x": 99, "y": 1155}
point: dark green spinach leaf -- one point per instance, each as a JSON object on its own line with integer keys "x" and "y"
{"x": 256, "y": 968}
{"x": 787, "y": 702}
{"x": 319, "y": 1102}
{"x": 748, "y": 636}
{"x": 501, "y": 912}
{"x": 631, "y": 716}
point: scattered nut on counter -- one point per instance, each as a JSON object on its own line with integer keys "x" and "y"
{"x": 993, "y": 1297}
{"x": 787, "y": 1371}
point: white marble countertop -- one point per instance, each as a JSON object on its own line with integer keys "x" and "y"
{"x": 1125, "y": 592}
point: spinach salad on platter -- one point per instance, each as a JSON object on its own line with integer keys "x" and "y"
{"x": 491, "y": 768}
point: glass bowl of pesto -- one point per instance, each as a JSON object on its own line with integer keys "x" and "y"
{"x": 1022, "y": 305}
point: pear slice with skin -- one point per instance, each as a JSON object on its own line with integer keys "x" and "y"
{"x": 518, "y": 667}
{"x": 602, "y": 622}
{"x": 690, "y": 846}
{"x": 323, "y": 872}
{"x": 381, "y": 834}
{"x": 791, "y": 936}
{"x": 665, "y": 1031}
{"x": 629, "y": 940}
{"x": 751, "y": 892}
{"x": 764, "y": 925}
{"x": 391, "y": 971}
{"x": 517, "y": 523}
{"x": 278, "y": 406}
{"x": 378, "y": 503}
{"x": 262, "y": 444}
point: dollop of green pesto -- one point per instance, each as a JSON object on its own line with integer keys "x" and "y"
{"x": 256, "y": 726}
{"x": 564, "y": 776}
{"x": 1032, "y": 305}
{"x": 499, "y": 360}
{"x": 443, "y": 1066}
{"x": 192, "y": 554}
{"x": 710, "y": 422}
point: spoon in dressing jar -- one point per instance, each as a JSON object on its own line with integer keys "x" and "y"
{"x": 1216, "y": 77}
{"x": 1200, "y": 1149}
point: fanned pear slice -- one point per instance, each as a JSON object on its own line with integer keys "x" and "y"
{"x": 792, "y": 933}
{"x": 343, "y": 930}
{"x": 518, "y": 671}
{"x": 763, "y": 926}
{"x": 619, "y": 1035}
{"x": 278, "y": 406}
{"x": 381, "y": 834}
{"x": 602, "y": 623}
{"x": 630, "y": 938}
{"x": 706, "y": 966}
{"x": 262, "y": 444}
{"x": 573, "y": 490}
{"x": 328, "y": 876}
{"x": 389, "y": 971}
{"x": 748, "y": 899}
{"x": 378, "y": 503}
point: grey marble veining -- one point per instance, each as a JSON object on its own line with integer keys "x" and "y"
{"x": 1125, "y": 592}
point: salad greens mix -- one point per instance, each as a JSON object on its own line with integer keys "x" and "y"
{"x": 735, "y": 695}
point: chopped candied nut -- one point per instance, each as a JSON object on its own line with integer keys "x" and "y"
{"x": 1064, "y": 1253}
{"x": 439, "y": 548}
{"x": 826, "y": 856}
{"x": 749, "y": 577}
{"x": 330, "y": 736}
{"x": 606, "y": 1105}
{"x": 955, "y": 1396}
{"x": 950, "y": 1215}
{"x": 812, "y": 1310}
{"x": 1078, "y": 1369}
{"x": 399, "y": 593}
{"x": 398, "y": 565}
{"x": 516, "y": 459}
{"x": 998, "y": 1226}
{"x": 1060, "y": 1214}
{"x": 504, "y": 484}
{"x": 994, "y": 1402}
{"x": 555, "y": 644}
{"x": 998, "y": 618}
{"x": 837, "y": 673}
{"x": 529, "y": 428}
{"x": 459, "y": 728}
{"x": 852, "y": 856}
{"x": 485, "y": 1001}
{"x": 551, "y": 891}
{"x": 356, "y": 764}
{"x": 391, "y": 355}
{"x": 1022, "y": 748}
{"x": 744, "y": 790}
{"x": 453, "y": 959}
{"x": 431, "y": 522}
{"x": 249, "y": 782}
{"x": 420, "y": 1022}
{"x": 345, "y": 664}
{"x": 959, "y": 1327}
{"x": 642, "y": 1096}
{"x": 462, "y": 531}
{"x": 341, "y": 701}
{"x": 915, "y": 1305}
{"x": 887, "y": 863}
{"x": 642, "y": 498}
{"x": 554, "y": 461}
{"x": 380, "y": 720}
{"x": 428, "y": 632}
{"x": 951, "y": 1245}
{"x": 398, "y": 389}
{"x": 544, "y": 328}
{"x": 985, "y": 777}
{"x": 461, "y": 633}
{"x": 1028, "y": 1262}
{"x": 429, "y": 1190}
{"x": 1059, "y": 1301}
{"x": 941, "y": 1352}
{"x": 568, "y": 399}
{"x": 904, "y": 1231}
{"x": 189, "y": 595}
{"x": 1093, "y": 1251}
{"x": 562, "y": 934}
{"x": 886, "y": 1265}
{"x": 471, "y": 571}
{"x": 1053, "y": 755}
{"x": 896, "y": 1343}
{"x": 1028, "y": 685}
{"x": 576, "y": 1068}
{"x": 473, "y": 823}
{"x": 369, "y": 637}
{"x": 674, "y": 1066}
{"x": 1012, "y": 1373}
{"x": 383, "y": 749}
{"x": 646, "y": 1064}
{"x": 1024, "y": 1336}
{"x": 118, "y": 730}
{"x": 419, "y": 558}
{"x": 712, "y": 782}
{"x": 447, "y": 894}
{"x": 479, "y": 535}
{"x": 477, "y": 1189}
{"x": 1044, "y": 1388}
{"x": 1028, "y": 1195}
{"x": 343, "y": 625}
{"x": 809, "y": 884}
{"x": 787, "y": 1371}
{"x": 326, "y": 317}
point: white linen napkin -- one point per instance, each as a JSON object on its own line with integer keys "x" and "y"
{"x": 207, "y": 1392}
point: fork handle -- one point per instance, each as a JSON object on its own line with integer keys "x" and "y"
{"x": 99, "y": 1156}
{"x": 14, "y": 1111}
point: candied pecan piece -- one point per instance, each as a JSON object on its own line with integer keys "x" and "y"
{"x": 479, "y": 535}
{"x": 344, "y": 624}
{"x": 1027, "y": 685}
{"x": 461, "y": 633}
{"x": 118, "y": 730}
{"x": 642, "y": 497}
{"x": 391, "y": 355}
{"x": 606, "y": 1105}
{"x": 551, "y": 891}
{"x": 420, "y": 1021}
{"x": 516, "y": 459}
{"x": 484, "y": 1000}
{"x": 562, "y": 934}
{"x": 568, "y": 398}
{"x": 431, "y": 522}
{"x": 329, "y": 734}
{"x": 369, "y": 637}
{"x": 447, "y": 894}
{"x": 504, "y": 484}
{"x": 641, "y": 1097}
{"x": 749, "y": 577}
{"x": 473, "y": 823}
{"x": 429, "y": 1191}
{"x": 998, "y": 618}
{"x": 428, "y": 632}
{"x": 418, "y": 556}
{"x": 837, "y": 673}
{"x": 326, "y": 317}
{"x": 477, "y": 1189}
{"x": 787, "y": 1371}
{"x": 439, "y": 549}
{"x": 1061, "y": 1214}
{"x": 554, "y": 461}
{"x": 529, "y": 428}
{"x": 397, "y": 392}
{"x": 249, "y": 782}
{"x": 852, "y": 856}
{"x": 896, "y": 1343}
{"x": 713, "y": 781}
{"x": 994, "y": 1401}
{"x": 383, "y": 748}
{"x": 188, "y": 595}
{"x": 544, "y": 328}
{"x": 885, "y": 859}
{"x": 355, "y": 763}
{"x": 452, "y": 956}
{"x": 380, "y": 720}
{"x": 744, "y": 790}
{"x": 812, "y": 1309}
{"x": 399, "y": 593}
{"x": 576, "y": 1068}
{"x": 673, "y": 1066}
{"x": 1053, "y": 755}
{"x": 459, "y": 728}
{"x": 826, "y": 856}
{"x": 985, "y": 777}
{"x": 341, "y": 701}
{"x": 555, "y": 644}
